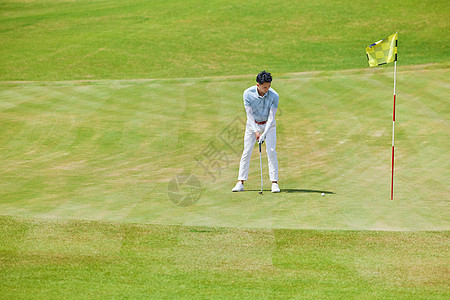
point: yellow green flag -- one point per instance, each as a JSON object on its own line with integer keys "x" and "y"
{"x": 382, "y": 52}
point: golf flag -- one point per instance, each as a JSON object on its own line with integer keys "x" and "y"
{"x": 382, "y": 52}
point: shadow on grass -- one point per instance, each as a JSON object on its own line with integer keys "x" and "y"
{"x": 305, "y": 191}
{"x": 295, "y": 191}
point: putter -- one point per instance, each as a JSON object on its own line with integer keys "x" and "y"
{"x": 260, "y": 164}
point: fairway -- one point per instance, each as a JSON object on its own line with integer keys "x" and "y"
{"x": 97, "y": 39}
{"x": 76, "y": 259}
{"x": 121, "y": 132}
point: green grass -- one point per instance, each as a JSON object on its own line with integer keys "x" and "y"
{"x": 107, "y": 150}
{"x": 55, "y": 40}
{"x": 47, "y": 259}
{"x": 104, "y": 103}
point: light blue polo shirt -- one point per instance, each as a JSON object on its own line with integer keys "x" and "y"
{"x": 260, "y": 105}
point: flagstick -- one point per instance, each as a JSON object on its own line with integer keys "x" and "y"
{"x": 393, "y": 132}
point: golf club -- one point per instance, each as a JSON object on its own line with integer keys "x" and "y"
{"x": 260, "y": 164}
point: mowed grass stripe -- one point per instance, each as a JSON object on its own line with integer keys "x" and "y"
{"x": 101, "y": 260}
{"x": 98, "y": 128}
{"x": 52, "y": 115}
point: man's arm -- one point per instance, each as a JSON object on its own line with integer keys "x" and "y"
{"x": 250, "y": 118}
{"x": 270, "y": 122}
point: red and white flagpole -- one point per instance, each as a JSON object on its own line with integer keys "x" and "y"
{"x": 393, "y": 132}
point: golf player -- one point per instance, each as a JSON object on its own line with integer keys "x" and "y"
{"x": 261, "y": 104}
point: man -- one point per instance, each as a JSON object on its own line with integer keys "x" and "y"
{"x": 261, "y": 104}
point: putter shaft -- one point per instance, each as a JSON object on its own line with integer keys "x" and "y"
{"x": 260, "y": 164}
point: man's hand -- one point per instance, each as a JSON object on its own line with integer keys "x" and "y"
{"x": 257, "y": 135}
{"x": 262, "y": 138}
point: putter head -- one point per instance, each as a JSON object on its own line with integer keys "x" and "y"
{"x": 260, "y": 193}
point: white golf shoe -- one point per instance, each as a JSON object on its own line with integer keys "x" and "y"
{"x": 239, "y": 187}
{"x": 275, "y": 188}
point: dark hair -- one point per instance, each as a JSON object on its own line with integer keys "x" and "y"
{"x": 263, "y": 77}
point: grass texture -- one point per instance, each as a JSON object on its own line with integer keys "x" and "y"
{"x": 66, "y": 40}
{"x": 72, "y": 260}
{"x": 121, "y": 132}
{"x": 108, "y": 150}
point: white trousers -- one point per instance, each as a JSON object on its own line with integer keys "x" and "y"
{"x": 249, "y": 143}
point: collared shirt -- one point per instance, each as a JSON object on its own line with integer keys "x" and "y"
{"x": 260, "y": 105}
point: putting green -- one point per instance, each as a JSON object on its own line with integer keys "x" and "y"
{"x": 111, "y": 150}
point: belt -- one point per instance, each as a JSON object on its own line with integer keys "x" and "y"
{"x": 260, "y": 123}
